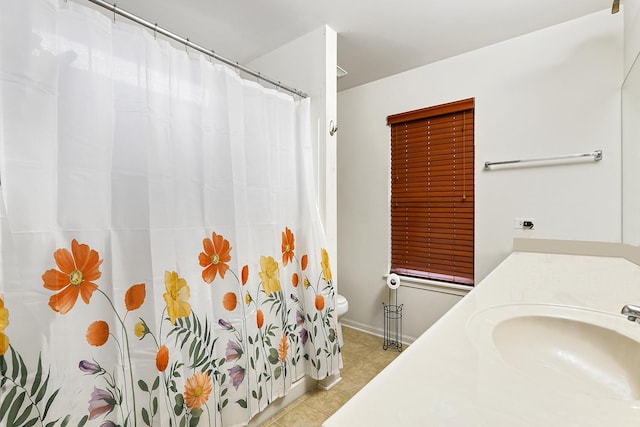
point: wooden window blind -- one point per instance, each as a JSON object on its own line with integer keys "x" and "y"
{"x": 432, "y": 192}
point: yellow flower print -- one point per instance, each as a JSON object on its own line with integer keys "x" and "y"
{"x": 4, "y": 316}
{"x": 270, "y": 275}
{"x": 4, "y": 343}
{"x": 4, "y": 322}
{"x": 247, "y": 298}
{"x": 176, "y": 297}
{"x": 140, "y": 329}
{"x": 326, "y": 268}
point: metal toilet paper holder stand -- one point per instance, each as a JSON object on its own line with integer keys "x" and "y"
{"x": 392, "y": 318}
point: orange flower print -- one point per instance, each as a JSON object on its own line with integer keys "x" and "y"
{"x": 319, "y": 302}
{"x": 162, "y": 358}
{"x": 245, "y": 274}
{"x": 283, "y": 348}
{"x": 215, "y": 257}
{"x": 229, "y": 301}
{"x": 270, "y": 275}
{"x": 134, "y": 297}
{"x": 176, "y": 297}
{"x": 98, "y": 333}
{"x": 304, "y": 261}
{"x": 77, "y": 271}
{"x": 294, "y": 280}
{"x": 259, "y": 318}
{"x": 287, "y": 246}
{"x": 326, "y": 268}
{"x": 197, "y": 389}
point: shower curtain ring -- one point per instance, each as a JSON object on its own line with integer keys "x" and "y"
{"x": 186, "y": 46}
{"x": 155, "y": 31}
{"x": 115, "y": 7}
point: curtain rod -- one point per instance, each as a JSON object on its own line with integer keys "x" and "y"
{"x": 116, "y": 10}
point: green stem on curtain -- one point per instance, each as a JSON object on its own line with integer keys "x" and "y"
{"x": 126, "y": 336}
{"x": 244, "y": 333}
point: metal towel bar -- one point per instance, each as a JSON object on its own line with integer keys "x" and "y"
{"x": 597, "y": 155}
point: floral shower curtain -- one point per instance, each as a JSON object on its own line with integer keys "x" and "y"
{"x": 161, "y": 255}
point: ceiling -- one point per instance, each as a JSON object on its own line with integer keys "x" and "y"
{"x": 376, "y": 38}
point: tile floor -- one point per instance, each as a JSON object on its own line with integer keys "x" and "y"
{"x": 362, "y": 358}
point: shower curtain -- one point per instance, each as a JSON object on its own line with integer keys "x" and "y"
{"x": 162, "y": 260}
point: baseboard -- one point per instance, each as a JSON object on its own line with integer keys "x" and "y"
{"x": 379, "y": 332}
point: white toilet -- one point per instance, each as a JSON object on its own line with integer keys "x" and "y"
{"x": 342, "y": 305}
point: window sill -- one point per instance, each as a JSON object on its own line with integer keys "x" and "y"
{"x": 433, "y": 285}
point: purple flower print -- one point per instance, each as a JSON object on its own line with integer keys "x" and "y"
{"x": 234, "y": 351}
{"x": 299, "y": 317}
{"x": 304, "y": 335}
{"x": 89, "y": 367}
{"x": 102, "y": 402}
{"x": 237, "y": 375}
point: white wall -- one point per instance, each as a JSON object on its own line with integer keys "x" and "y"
{"x": 631, "y": 125}
{"x": 552, "y": 92}
{"x": 308, "y": 64}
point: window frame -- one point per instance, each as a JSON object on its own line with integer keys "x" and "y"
{"x": 415, "y": 228}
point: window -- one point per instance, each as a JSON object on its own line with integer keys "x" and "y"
{"x": 432, "y": 192}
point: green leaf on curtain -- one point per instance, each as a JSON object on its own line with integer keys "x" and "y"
{"x": 242, "y": 403}
{"x": 15, "y": 407}
{"x": 145, "y": 416}
{"x": 65, "y": 421}
{"x": 156, "y": 383}
{"x": 155, "y": 405}
{"x": 23, "y": 417}
{"x": 179, "y": 404}
{"x": 37, "y": 378}
{"x": 4, "y": 367}
{"x": 7, "y": 401}
{"x": 43, "y": 389}
{"x": 49, "y": 402}
{"x": 83, "y": 421}
{"x": 14, "y": 365}
{"x": 273, "y": 356}
{"x": 31, "y": 422}
{"x": 277, "y": 372}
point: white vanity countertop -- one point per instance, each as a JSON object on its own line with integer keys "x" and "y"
{"x": 454, "y": 374}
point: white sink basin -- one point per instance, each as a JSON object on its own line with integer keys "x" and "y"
{"x": 592, "y": 352}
